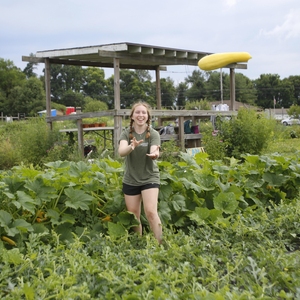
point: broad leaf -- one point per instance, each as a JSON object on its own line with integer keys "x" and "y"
{"x": 25, "y": 201}
{"x": 78, "y": 199}
{"x": 116, "y": 230}
{"x": 226, "y": 202}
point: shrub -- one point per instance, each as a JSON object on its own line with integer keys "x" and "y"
{"x": 169, "y": 151}
{"x": 8, "y": 155}
{"x": 34, "y": 140}
{"x": 214, "y": 146}
{"x": 248, "y": 132}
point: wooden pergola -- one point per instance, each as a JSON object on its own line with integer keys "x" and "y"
{"x": 124, "y": 56}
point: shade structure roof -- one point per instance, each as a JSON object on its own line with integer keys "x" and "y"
{"x": 131, "y": 55}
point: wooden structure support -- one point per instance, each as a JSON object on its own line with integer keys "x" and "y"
{"x": 126, "y": 56}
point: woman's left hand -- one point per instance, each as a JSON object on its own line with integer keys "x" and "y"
{"x": 154, "y": 154}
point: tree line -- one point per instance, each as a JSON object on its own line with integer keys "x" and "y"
{"x": 23, "y": 91}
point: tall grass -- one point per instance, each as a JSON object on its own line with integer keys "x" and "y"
{"x": 26, "y": 142}
{"x": 31, "y": 142}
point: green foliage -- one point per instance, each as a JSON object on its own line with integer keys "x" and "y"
{"x": 282, "y": 141}
{"x": 169, "y": 151}
{"x": 32, "y": 140}
{"x": 29, "y": 99}
{"x": 71, "y": 98}
{"x": 243, "y": 258}
{"x": 8, "y": 155}
{"x": 230, "y": 231}
{"x": 94, "y": 105}
{"x": 245, "y": 89}
{"x": 198, "y": 104}
{"x": 168, "y": 92}
{"x": 193, "y": 191}
{"x": 196, "y": 81}
{"x": 249, "y": 132}
{"x": 294, "y": 111}
{"x": 58, "y": 107}
{"x": 213, "y": 145}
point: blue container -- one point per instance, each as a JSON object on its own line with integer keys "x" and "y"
{"x": 44, "y": 112}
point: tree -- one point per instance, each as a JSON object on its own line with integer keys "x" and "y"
{"x": 65, "y": 78}
{"x": 267, "y": 87}
{"x": 71, "y": 98}
{"x": 245, "y": 91}
{"x": 95, "y": 85}
{"x": 28, "y": 98}
{"x": 168, "y": 92}
{"x": 134, "y": 87}
{"x": 93, "y": 105}
{"x": 285, "y": 94}
{"x": 213, "y": 86}
{"x": 29, "y": 69}
{"x": 294, "y": 111}
{"x": 295, "y": 81}
{"x": 196, "y": 83}
{"x": 181, "y": 94}
{"x": 10, "y": 76}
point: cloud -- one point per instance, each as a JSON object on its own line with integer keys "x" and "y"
{"x": 231, "y": 2}
{"x": 290, "y": 28}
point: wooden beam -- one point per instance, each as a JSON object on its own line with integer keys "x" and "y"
{"x": 181, "y": 133}
{"x": 80, "y": 138}
{"x": 158, "y": 58}
{"x": 48, "y": 90}
{"x": 158, "y": 92}
{"x": 33, "y": 59}
{"x": 117, "y": 105}
{"x": 232, "y": 89}
{"x": 157, "y": 113}
{"x": 237, "y": 66}
{"x": 84, "y": 63}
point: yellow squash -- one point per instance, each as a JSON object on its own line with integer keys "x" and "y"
{"x": 8, "y": 240}
{"x": 220, "y": 60}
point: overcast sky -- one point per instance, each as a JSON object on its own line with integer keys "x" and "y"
{"x": 268, "y": 29}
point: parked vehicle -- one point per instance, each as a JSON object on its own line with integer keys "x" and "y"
{"x": 290, "y": 121}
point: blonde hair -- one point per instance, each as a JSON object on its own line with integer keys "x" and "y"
{"x": 131, "y": 128}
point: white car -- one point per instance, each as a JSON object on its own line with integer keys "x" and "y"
{"x": 290, "y": 121}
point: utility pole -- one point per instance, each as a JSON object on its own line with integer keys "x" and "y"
{"x": 221, "y": 85}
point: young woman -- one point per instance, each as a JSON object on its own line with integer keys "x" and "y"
{"x": 140, "y": 144}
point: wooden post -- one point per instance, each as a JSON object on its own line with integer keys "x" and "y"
{"x": 48, "y": 89}
{"x": 158, "y": 92}
{"x": 117, "y": 105}
{"x": 232, "y": 89}
{"x": 181, "y": 133}
{"x": 80, "y": 138}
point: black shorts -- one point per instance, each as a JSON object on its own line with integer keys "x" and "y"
{"x": 137, "y": 190}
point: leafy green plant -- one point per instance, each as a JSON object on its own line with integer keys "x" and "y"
{"x": 169, "y": 151}
{"x": 33, "y": 139}
{"x": 248, "y": 132}
{"x": 231, "y": 231}
{"x": 70, "y": 196}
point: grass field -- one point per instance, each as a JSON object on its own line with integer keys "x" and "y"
{"x": 282, "y": 141}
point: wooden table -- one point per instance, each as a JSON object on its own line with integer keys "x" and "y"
{"x": 98, "y": 130}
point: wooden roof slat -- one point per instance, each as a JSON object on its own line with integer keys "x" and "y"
{"x": 136, "y": 49}
{"x": 133, "y": 56}
{"x": 157, "y": 51}
{"x": 181, "y": 54}
{"x": 170, "y": 53}
{"x": 147, "y": 50}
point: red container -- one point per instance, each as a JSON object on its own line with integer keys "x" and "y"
{"x": 69, "y": 110}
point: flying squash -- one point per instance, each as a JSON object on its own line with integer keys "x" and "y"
{"x": 220, "y": 60}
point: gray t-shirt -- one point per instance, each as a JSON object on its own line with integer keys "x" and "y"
{"x": 139, "y": 168}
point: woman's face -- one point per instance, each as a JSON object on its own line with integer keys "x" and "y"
{"x": 140, "y": 115}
